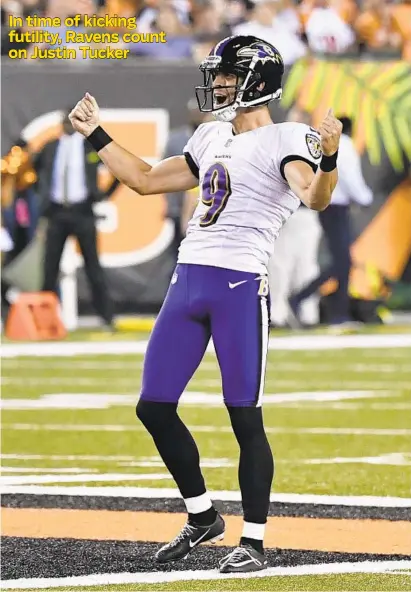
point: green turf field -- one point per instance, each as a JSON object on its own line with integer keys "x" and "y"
{"x": 306, "y": 436}
{"x": 338, "y": 421}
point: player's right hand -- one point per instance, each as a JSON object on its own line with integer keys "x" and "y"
{"x": 85, "y": 115}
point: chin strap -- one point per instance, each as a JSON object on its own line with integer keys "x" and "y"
{"x": 227, "y": 114}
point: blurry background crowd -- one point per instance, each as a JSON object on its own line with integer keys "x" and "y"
{"x": 295, "y": 27}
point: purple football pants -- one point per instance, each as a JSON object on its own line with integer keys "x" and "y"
{"x": 202, "y": 302}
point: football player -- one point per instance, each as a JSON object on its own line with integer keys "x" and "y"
{"x": 253, "y": 174}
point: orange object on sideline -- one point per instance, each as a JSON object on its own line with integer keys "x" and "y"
{"x": 35, "y": 316}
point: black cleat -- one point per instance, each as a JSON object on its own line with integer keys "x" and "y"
{"x": 190, "y": 536}
{"x": 243, "y": 559}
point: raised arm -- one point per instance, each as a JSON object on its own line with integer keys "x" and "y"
{"x": 315, "y": 190}
{"x": 169, "y": 175}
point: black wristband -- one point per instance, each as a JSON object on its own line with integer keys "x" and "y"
{"x": 329, "y": 163}
{"x": 99, "y": 139}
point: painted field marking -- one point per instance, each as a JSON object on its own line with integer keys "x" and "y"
{"x": 349, "y": 406}
{"x": 346, "y": 431}
{"x": 389, "y": 407}
{"x": 216, "y": 463}
{"x": 214, "y": 384}
{"x": 316, "y": 431}
{"x": 376, "y": 567}
{"x": 84, "y": 478}
{"x": 31, "y": 470}
{"x": 393, "y": 458}
{"x": 84, "y": 457}
{"x": 59, "y": 476}
{"x": 290, "y": 343}
{"x": 388, "y": 354}
{"x": 107, "y": 400}
{"x": 206, "y": 366}
{"x": 224, "y": 495}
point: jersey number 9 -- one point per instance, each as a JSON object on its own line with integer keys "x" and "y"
{"x": 215, "y": 191}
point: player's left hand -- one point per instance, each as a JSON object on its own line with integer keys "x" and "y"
{"x": 330, "y": 131}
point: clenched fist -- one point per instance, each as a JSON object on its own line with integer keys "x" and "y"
{"x": 85, "y": 115}
{"x": 330, "y": 131}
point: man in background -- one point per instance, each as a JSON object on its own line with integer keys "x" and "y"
{"x": 177, "y": 139}
{"x": 67, "y": 187}
{"x": 266, "y": 23}
{"x": 328, "y": 29}
{"x": 295, "y": 259}
{"x": 335, "y": 221}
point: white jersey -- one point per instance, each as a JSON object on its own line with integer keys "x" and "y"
{"x": 327, "y": 32}
{"x": 244, "y": 197}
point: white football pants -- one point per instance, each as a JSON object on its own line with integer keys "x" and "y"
{"x": 294, "y": 264}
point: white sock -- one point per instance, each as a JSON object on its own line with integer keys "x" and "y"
{"x": 253, "y": 531}
{"x": 198, "y": 504}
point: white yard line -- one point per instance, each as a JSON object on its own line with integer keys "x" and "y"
{"x": 126, "y": 461}
{"x": 393, "y": 459}
{"x": 199, "y": 382}
{"x": 84, "y": 478}
{"x": 225, "y": 496}
{"x": 83, "y": 457}
{"x": 64, "y": 381}
{"x": 389, "y": 406}
{"x": 58, "y": 470}
{"x": 394, "y": 354}
{"x": 290, "y": 343}
{"x": 216, "y": 463}
{"x": 106, "y": 400}
{"x": 212, "y": 385}
{"x": 348, "y": 406}
{"x": 376, "y": 567}
{"x": 318, "y": 431}
{"x": 344, "y": 431}
{"x": 205, "y": 367}
{"x": 92, "y": 365}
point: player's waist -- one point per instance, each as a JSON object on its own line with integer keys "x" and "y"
{"x": 235, "y": 264}
{"x": 220, "y": 255}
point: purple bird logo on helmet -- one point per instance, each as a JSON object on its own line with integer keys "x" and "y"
{"x": 258, "y": 69}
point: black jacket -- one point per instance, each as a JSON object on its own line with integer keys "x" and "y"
{"x": 44, "y": 165}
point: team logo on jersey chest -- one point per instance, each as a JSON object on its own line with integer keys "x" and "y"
{"x": 313, "y": 145}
